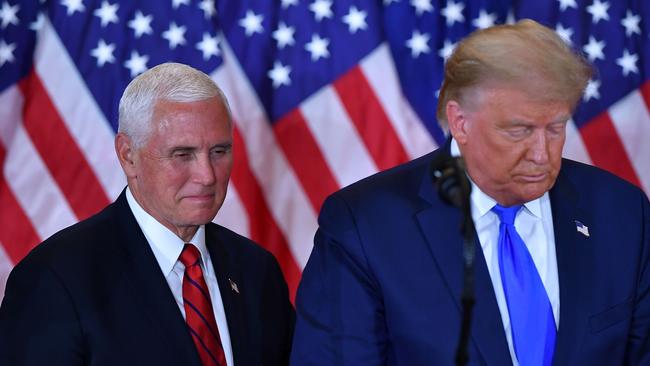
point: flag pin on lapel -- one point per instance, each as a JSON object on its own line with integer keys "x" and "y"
{"x": 582, "y": 228}
{"x": 233, "y": 286}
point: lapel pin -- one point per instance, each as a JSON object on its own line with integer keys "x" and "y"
{"x": 582, "y": 228}
{"x": 233, "y": 286}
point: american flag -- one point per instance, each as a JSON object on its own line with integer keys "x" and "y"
{"x": 323, "y": 93}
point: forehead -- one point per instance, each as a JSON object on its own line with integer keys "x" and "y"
{"x": 508, "y": 103}
{"x": 200, "y": 121}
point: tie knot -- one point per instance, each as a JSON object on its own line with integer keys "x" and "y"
{"x": 190, "y": 255}
{"x": 506, "y": 214}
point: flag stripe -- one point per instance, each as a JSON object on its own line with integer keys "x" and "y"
{"x": 371, "y": 122}
{"x": 263, "y": 228}
{"x": 33, "y": 186}
{"x": 232, "y": 213}
{"x": 306, "y": 159}
{"x": 336, "y": 137}
{"x": 379, "y": 70}
{"x": 574, "y": 148}
{"x": 606, "y": 149}
{"x": 78, "y": 110}
{"x": 17, "y": 234}
{"x": 631, "y": 119}
{"x": 287, "y": 201}
{"x": 59, "y": 151}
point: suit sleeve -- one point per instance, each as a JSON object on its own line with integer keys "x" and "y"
{"x": 638, "y": 347}
{"x": 38, "y": 322}
{"x": 340, "y": 315}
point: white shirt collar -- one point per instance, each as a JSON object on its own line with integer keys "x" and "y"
{"x": 165, "y": 244}
{"x": 483, "y": 203}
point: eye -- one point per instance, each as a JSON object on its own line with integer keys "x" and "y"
{"x": 220, "y": 151}
{"x": 518, "y": 131}
{"x": 557, "y": 129}
{"x": 182, "y": 155}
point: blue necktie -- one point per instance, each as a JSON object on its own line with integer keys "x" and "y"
{"x": 531, "y": 315}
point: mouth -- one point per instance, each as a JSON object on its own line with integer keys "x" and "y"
{"x": 200, "y": 197}
{"x": 533, "y": 178}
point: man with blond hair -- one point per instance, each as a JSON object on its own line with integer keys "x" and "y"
{"x": 563, "y": 249}
{"x": 150, "y": 280}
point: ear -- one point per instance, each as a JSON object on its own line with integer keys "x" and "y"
{"x": 126, "y": 154}
{"x": 457, "y": 121}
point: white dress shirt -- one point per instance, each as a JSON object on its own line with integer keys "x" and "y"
{"x": 167, "y": 247}
{"x": 534, "y": 223}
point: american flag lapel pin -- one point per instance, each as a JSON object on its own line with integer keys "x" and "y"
{"x": 233, "y": 286}
{"x": 582, "y": 228}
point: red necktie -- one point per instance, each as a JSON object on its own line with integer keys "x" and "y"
{"x": 198, "y": 310}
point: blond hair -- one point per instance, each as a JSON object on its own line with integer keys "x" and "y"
{"x": 169, "y": 81}
{"x": 527, "y": 55}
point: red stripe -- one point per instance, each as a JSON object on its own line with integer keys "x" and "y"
{"x": 17, "y": 235}
{"x": 59, "y": 150}
{"x": 302, "y": 152}
{"x": 606, "y": 148}
{"x": 368, "y": 116}
{"x": 263, "y": 228}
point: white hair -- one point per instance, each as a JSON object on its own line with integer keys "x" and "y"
{"x": 170, "y": 81}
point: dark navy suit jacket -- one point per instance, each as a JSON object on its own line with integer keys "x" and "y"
{"x": 383, "y": 283}
{"x": 93, "y": 294}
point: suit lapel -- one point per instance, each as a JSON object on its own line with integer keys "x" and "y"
{"x": 440, "y": 225}
{"x": 572, "y": 251}
{"x": 151, "y": 289}
{"x": 231, "y": 286}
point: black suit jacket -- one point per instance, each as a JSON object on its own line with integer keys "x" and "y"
{"x": 93, "y": 294}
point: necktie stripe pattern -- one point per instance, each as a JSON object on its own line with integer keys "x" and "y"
{"x": 531, "y": 315}
{"x": 391, "y": 49}
{"x": 199, "y": 314}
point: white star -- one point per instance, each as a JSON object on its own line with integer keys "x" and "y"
{"x": 141, "y": 24}
{"x": 279, "y": 74}
{"x": 137, "y": 64}
{"x": 594, "y": 49}
{"x": 564, "y": 33}
{"x": 103, "y": 52}
{"x": 284, "y": 35}
{"x": 177, "y": 3}
{"x": 598, "y": 11}
{"x": 628, "y": 62}
{"x": 484, "y": 20}
{"x": 252, "y": 23}
{"x": 355, "y": 20}
{"x": 6, "y": 52}
{"x": 288, "y": 3}
{"x": 418, "y": 43}
{"x": 591, "y": 91}
{"x": 37, "y": 24}
{"x": 322, "y": 9}
{"x": 446, "y": 50}
{"x": 73, "y": 5}
{"x": 318, "y": 47}
{"x": 422, "y": 6}
{"x": 209, "y": 46}
{"x": 208, "y": 8}
{"x": 8, "y": 14}
{"x": 175, "y": 35}
{"x": 453, "y": 12}
{"x": 631, "y": 23}
{"x": 107, "y": 13}
{"x": 565, "y": 4}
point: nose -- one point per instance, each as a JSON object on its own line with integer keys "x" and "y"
{"x": 538, "y": 148}
{"x": 203, "y": 170}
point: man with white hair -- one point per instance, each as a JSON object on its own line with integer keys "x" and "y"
{"x": 150, "y": 280}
